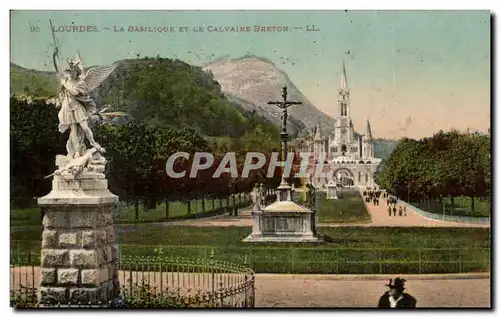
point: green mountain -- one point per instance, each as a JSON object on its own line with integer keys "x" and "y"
{"x": 32, "y": 82}
{"x": 383, "y": 148}
{"x": 162, "y": 92}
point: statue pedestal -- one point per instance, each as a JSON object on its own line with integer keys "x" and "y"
{"x": 283, "y": 221}
{"x": 256, "y": 228}
{"x": 79, "y": 252}
{"x": 331, "y": 191}
{"x": 284, "y": 192}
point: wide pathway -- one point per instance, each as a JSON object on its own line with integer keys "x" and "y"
{"x": 282, "y": 290}
{"x": 381, "y": 218}
{"x": 302, "y": 290}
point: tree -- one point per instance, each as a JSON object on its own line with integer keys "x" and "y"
{"x": 34, "y": 143}
{"x": 446, "y": 164}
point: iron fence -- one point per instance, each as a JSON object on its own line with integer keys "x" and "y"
{"x": 146, "y": 282}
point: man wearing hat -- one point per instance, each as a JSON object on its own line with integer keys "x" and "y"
{"x": 395, "y": 297}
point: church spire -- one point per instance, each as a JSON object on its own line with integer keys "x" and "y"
{"x": 343, "y": 78}
{"x": 368, "y": 133}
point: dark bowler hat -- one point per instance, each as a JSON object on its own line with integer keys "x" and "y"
{"x": 399, "y": 283}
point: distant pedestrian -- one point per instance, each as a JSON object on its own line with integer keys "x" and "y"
{"x": 394, "y": 210}
{"x": 404, "y": 208}
{"x": 395, "y": 297}
{"x": 389, "y": 210}
{"x": 400, "y": 211}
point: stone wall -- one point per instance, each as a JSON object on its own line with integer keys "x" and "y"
{"x": 79, "y": 254}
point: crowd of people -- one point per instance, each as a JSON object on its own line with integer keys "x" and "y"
{"x": 393, "y": 208}
{"x": 373, "y": 196}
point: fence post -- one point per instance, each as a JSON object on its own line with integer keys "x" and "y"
{"x": 293, "y": 260}
{"x": 380, "y": 261}
{"x": 336, "y": 261}
{"x": 212, "y": 262}
{"x": 246, "y": 281}
{"x": 459, "y": 260}
{"x": 419, "y": 261}
{"x": 167, "y": 209}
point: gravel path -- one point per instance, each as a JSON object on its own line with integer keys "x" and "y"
{"x": 287, "y": 290}
{"x": 323, "y": 291}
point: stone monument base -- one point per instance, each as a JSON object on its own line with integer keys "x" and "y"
{"x": 284, "y": 221}
{"x": 79, "y": 252}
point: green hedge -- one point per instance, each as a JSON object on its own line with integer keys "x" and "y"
{"x": 353, "y": 250}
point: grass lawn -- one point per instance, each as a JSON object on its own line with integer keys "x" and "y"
{"x": 346, "y": 250}
{"x": 462, "y": 206}
{"x": 349, "y": 208}
{"x": 126, "y": 213}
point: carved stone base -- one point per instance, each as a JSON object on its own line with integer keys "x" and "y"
{"x": 284, "y": 221}
{"x": 79, "y": 252}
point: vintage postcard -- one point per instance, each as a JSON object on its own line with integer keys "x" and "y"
{"x": 166, "y": 159}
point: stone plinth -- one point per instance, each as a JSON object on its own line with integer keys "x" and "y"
{"x": 79, "y": 252}
{"x": 283, "y": 221}
{"x": 331, "y": 191}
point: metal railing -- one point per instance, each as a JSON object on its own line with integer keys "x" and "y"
{"x": 148, "y": 282}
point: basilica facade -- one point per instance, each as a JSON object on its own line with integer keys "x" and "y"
{"x": 348, "y": 156}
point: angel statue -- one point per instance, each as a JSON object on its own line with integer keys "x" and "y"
{"x": 256, "y": 198}
{"x": 76, "y": 105}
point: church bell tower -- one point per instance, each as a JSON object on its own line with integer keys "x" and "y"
{"x": 344, "y": 133}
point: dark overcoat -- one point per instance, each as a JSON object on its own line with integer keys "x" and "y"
{"x": 407, "y": 301}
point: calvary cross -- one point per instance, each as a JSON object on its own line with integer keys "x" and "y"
{"x": 284, "y": 105}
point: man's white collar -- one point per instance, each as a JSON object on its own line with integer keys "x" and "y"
{"x": 394, "y": 301}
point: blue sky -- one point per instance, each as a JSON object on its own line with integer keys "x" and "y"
{"x": 410, "y": 72}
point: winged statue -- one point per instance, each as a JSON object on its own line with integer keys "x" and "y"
{"x": 76, "y": 106}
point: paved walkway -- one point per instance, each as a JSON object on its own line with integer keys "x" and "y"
{"x": 273, "y": 290}
{"x": 381, "y": 218}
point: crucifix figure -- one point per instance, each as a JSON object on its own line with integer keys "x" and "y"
{"x": 284, "y": 105}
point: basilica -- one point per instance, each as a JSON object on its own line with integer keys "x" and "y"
{"x": 349, "y": 156}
